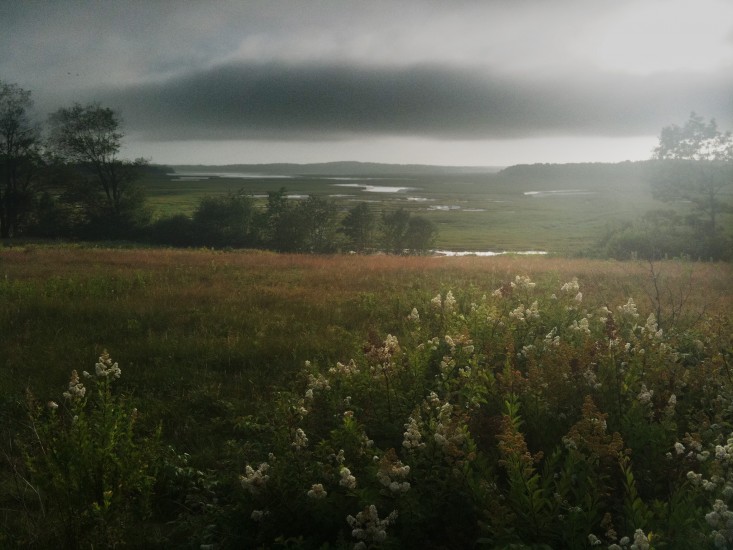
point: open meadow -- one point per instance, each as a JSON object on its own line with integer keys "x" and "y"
{"x": 555, "y": 208}
{"x": 295, "y": 400}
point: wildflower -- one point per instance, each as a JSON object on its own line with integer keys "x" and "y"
{"x": 694, "y": 478}
{"x": 309, "y": 393}
{"x": 317, "y": 491}
{"x": 437, "y": 302}
{"x": 367, "y": 527}
{"x": 641, "y": 541}
{"x": 679, "y": 448}
{"x": 629, "y": 308}
{"x": 347, "y": 480}
{"x": 52, "y": 405}
{"x": 593, "y": 540}
{"x": 318, "y": 382}
{"x": 414, "y": 315}
{"x": 346, "y": 370}
{"x": 651, "y": 324}
{"x": 571, "y": 287}
{"x": 523, "y": 282}
{"x": 105, "y": 368}
{"x": 591, "y": 379}
{"x": 533, "y": 311}
{"x": 449, "y": 303}
{"x": 581, "y": 326}
{"x": 255, "y": 480}
{"x": 645, "y": 396}
{"x": 391, "y": 470}
{"x": 517, "y": 313}
{"x": 300, "y": 439}
{"x": 412, "y": 437}
{"x": 76, "y": 389}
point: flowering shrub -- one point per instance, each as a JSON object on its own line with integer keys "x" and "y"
{"x": 93, "y": 470}
{"x": 520, "y": 416}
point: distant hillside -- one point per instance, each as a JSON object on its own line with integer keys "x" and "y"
{"x": 621, "y": 175}
{"x": 345, "y": 168}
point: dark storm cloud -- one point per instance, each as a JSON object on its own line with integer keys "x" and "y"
{"x": 288, "y": 101}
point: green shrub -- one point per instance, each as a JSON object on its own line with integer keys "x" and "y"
{"x": 91, "y": 466}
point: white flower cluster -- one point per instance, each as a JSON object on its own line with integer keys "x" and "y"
{"x": 76, "y": 388}
{"x": 300, "y": 440}
{"x": 255, "y": 480}
{"x": 318, "y": 382}
{"x": 414, "y": 315}
{"x": 645, "y": 395}
{"x": 551, "y": 338}
{"x": 571, "y": 287}
{"x": 105, "y": 368}
{"x": 582, "y": 326}
{"x": 446, "y": 431}
{"x": 347, "y": 479}
{"x": 591, "y": 379}
{"x": 317, "y": 491}
{"x": 522, "y": 314}
{"x": 629, "y": 308}
{"x": 523, "y": 282}
{"x": 604, "y": 314}
{"x": 368, "y": 528}
{"x": 391, "y": 469}
{"x": 348, "y": 369}
{"x": 447, "y": 305}
{"x": 383, "y": 356}
{"x": 721, "y": 520}
{"x": 412, "y": 437}
{"x": 641, "y": 542}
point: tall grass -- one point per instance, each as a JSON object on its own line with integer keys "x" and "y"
{"x": 212, "y": 344}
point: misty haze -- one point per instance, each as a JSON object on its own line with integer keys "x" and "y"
{"x": 354, "y": 275}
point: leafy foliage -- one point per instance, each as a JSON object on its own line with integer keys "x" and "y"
{"x": 91, "y": 467}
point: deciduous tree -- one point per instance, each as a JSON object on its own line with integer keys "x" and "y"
{"x": 696, "y": 167}
{"x": 358, "y": 226}
{"x": 19, "y": 158}
{"x": 89, "y": 137}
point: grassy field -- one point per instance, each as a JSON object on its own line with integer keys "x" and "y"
{"x": 556, "y": 208}
{"x": 212, "y": 347}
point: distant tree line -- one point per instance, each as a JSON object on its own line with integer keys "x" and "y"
{"x": 69, "y": 181}
{"x": 310, "y": 225}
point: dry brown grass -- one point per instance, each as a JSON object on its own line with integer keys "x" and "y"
{"x": 706, "y": 286}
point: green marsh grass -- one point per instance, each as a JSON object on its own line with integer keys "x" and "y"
{"x": 213, "y": 347}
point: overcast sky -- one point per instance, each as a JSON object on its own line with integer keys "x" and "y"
{"x": 437, "y": 82}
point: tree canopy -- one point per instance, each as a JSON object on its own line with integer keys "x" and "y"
{"x": 19, "y": 157}
{"x": 694, "y": 170}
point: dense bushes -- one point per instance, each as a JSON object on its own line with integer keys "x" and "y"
{"x": 515, "y": 416}
{"x": 311, "y": 225}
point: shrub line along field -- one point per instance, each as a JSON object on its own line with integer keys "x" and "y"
{"x": 557, "y": 208}
{"x": 218, "y": 347}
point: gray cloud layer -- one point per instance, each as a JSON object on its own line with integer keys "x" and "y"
{"x": 287, "y": 101}
{"x": 286, "y": 70}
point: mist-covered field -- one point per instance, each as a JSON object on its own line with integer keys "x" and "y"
{"x": 553, "y": 208}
